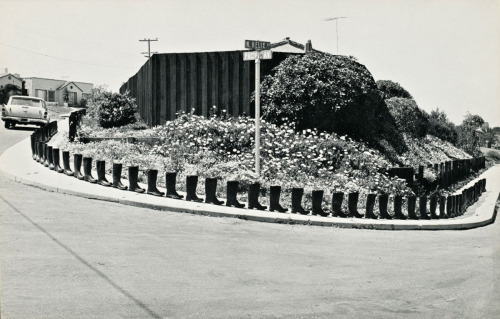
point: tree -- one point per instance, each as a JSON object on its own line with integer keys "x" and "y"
{"x": 390, "y": 89}
{"x": 487, "y": 135}
{"x": 7, "y": 91}
{"x": 440, "y": 126}
{"x": 475, "y": 121}
{"x": 408, "y": 116}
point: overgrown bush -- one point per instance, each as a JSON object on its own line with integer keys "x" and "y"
{"x": 117, "y": 110}
{"x": 390, "y": 89}
{"x": 409, "y": 118}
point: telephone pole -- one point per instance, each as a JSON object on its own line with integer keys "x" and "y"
{"x": 149, "y": 47}
{"x": 336, "y": 28}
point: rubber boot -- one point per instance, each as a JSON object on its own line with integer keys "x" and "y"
{"x": 211, "y": 192}
{"x": 433, "y": 206}
{"x": 317, "y": 200}
{"x": 383, "y": 201}
{"x": 87, "y": 170}
{"x": 337, "y": 199}
{"x": 191, "y": 184}
{"x": 101, "y": 173}
{"x": 459, "y": 205}
{"x": 442, "y": 207}
{"x": 33, "y": 153}
{"x": 44, "y": 154}
{"x": 48, "y": 156}
{"x": 484, "y": 184}
{"x": 449, "y": 206}
{"x": 66, "y": 168}
{"x": 352, "y": 205}
{"x": 231, "y": 194}
{"x": 133, "y": 177}
{"x": 412, "y": 200}
{"x": 77, "y": 164}
{"x": 370, "y": 203}
{"x": 170, "y": 182}
{"x": 56, "y": 160}
{"x": 152, "y": 177}
{"x": 253, "y": 197}
{"x": 117, "y": 176}
{"x": 422, "y": 206}
{"x": 297, "y": 208}
{"x": 40, "y": 152}
{"x": 398, "y": 208}
{"x": 274, "y": 200}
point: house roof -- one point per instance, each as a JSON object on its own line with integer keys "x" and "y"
{"x": 290, "y": 46}
{"x": 4, "y": 75}
{"x": 66, "y": 84}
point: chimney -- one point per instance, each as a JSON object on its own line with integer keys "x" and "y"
{"x": 309, "y": 46}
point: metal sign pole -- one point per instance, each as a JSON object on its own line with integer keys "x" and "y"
{"x": 257, "y": 114}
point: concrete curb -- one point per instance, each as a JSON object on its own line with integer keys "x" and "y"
{"x": 31, "y": 173}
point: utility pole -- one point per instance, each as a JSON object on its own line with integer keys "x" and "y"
{"x": 336, "y": 28}
{"x": 149, "y": 47}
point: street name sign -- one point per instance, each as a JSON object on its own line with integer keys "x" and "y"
{"x": 257, "y": 45}
{"x": 254, "y": 55}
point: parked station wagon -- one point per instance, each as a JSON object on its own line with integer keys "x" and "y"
{"x": 25, "y": 110}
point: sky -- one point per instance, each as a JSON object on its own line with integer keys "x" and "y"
{"x": 446, "y": 53}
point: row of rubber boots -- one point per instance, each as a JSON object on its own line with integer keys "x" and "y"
{"x": 450, "y": 206}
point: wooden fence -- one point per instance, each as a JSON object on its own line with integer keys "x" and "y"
{"x": 175, "y": 82}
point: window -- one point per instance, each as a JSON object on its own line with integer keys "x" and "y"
{"x": 52, "y": 96}
{"x": 41, "y": 94}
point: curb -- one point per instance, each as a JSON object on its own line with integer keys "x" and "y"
{"x": 211, "y": 210}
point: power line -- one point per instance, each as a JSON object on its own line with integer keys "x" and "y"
{"x": 149, "y": 46}
{"x": 63, "y": 59}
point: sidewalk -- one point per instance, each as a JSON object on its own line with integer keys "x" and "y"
{"x": 17, "y": 163}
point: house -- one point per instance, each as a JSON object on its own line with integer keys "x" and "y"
{"x": 9, "y": 78}
{"x": 58, "y": 92}
{"x": 169, "y": 83}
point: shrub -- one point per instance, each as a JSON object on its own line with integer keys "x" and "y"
{"x": 320, "y": 91}
{"x": 390, "y": 89}
{"x": 409, "y": 118}
{"x": 117, "y": 110}
{"x": 468, "y": 139}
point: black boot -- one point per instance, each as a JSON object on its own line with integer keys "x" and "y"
{"x": 56, "y": 159}
{"x": 133, "y": 177}
{"x": 317, "y": 200}
{"x": 398, "y": 207}
{"x": 231, "y": 194}
{"x": 412, "y": 200}
{"x": 48, "y": 162}
{"x": 77, "y": 164}
{"x": 442, "y": 207}
{"x": 191, "y": 184}
{"x": 274, "y": 200}
{"x": 87, "y": 170}
{"x": 40, "y": 152}
{"x": 117, "y": 176}
{"x": 253, "y": 197}
{"x": 432, "y": 207}
{"x": 352, "y": 205}
{"x": 337, "y": 199}
{"x": 383, "y": 201}
{"x": 422, "y": 203}
{"x": 297, "y": 208}
{"x": 170, "y": 181}
{"x": 66, "y": 168}
{"x": 370, "y": 203}
{"x": 33, "y": 152}
{"x": 211, "y": 192}
{"x": 101, "y": 173}
{"x": 152, "y": 177}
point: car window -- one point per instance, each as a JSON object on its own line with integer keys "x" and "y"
{"x": 27, "y": 102}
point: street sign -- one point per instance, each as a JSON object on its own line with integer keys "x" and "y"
{"x": 254, "y": 55}
{"x": 257, "y": 45}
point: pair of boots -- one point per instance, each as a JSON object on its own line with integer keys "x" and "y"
{"x": 56, "y": 160}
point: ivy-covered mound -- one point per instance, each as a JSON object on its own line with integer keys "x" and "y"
{"x": 329, "y": 93}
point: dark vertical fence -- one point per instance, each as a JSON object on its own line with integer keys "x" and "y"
{"x": 174, "y": 82}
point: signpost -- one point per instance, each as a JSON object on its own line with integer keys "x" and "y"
{"x": 257, "y": 56}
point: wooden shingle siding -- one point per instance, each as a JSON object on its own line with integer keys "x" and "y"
{"x": 178, "y": 82}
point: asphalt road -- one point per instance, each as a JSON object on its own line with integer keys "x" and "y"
{"x": 69, "y": 257}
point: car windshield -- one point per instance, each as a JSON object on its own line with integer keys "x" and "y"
{"x": 27, "y": 102}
